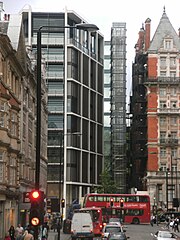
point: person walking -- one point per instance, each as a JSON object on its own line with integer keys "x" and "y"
{"x": 19, "y": 231}
{"x": 176, "y": 225}
{"x": 152, "y": 220}
{"x": 12, "y": 232}
{"x": 28, "y": 236}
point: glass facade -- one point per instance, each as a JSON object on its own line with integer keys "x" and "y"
{"x": 115, "y": 105}
{"x": 74, "y": 76}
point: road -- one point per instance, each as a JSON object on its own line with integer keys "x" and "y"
{"x": 135, "y": 232}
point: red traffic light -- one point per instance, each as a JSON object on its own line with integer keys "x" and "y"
{"x": 111, "y": 202}
{"x": 121, "y": 202}
{"x": 35, "y": 194}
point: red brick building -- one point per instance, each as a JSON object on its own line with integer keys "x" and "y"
{"x": 155, "y": 107}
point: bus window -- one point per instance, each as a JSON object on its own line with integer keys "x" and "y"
{"x": 95, "y": 215}
{"x": 100, "y": 199}
{"x": 143, "y": 199}
{"x": 91, "y": 198}
{"x": 134, "y": 212}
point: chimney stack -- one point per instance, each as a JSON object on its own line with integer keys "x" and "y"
{"x": 147, "y": 33}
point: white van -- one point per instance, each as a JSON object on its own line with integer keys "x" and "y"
{"x": 82, "y": 225}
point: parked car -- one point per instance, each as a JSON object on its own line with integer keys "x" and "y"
{"x": 164, "y": 235}
{"x": 118, "y": 236}
{"x": 111, "y": 228}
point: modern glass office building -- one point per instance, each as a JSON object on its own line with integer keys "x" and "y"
{"x": 74, "y": 75}
{"x": 115, "y": 104}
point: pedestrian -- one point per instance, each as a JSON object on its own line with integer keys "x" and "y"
{"x": 28, "y": 236}
{"x": 19, "y": 235}
{"x": 7, "y": 237}
{"x": 19, "y": 228}
{"x": 44, "y": 232}
{"x": 12, "y": 232}
{"x": 152, "y": 220}
{"x": 176, "y": 223}
{"x": 171, "y": 224}
{"x": 19, "y": 231}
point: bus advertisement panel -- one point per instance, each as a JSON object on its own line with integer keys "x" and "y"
{"x": 132, "y": 208}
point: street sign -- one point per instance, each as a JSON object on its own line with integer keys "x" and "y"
{"x": 35, "y": 221}
{"x": 26, "y": 197}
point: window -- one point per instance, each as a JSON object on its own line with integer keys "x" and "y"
{"x": 173, "y": 120}
{"x": 2, "y": 168}
{"x": 107, "y": 48}
{"x": 163, "y": 167}
{"x": 173, "y": 104}
{"x": 13, "y": 123}
{"x": 163, "y": 62}
{"x": 12, "y": 171}
{"x": 173, "y": 91}
{"x": 107, "y": 64}
{"x": 162, "y": 92}
{"x": 162, "y": 121}
{"x": 162, "y": 152}
{"x": 107, "y": 106}
{"x": 168, "y": 44}
{"x": 174, "y": 152}
{"x": 107, "y": 92}
{"x": 55, "y": 104}
{"x": 55, "y": 121}
{"x": 162, "y": 137}
{"x": 107, "y": 121}
{"x": 160, "y": 195}
{"x": 172, "y": 74}
{"x": 163, "y": 73}
{"x": 172, "y": 61}
{"x": 107, "y": 78}
{"x": 163, "y": 104}
{"x": 55, "y": 87}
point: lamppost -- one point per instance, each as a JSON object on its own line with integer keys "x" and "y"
{"x": 81, "y": 26}
{"x": 167, "y": 201}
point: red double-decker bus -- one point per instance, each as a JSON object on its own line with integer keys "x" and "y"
{"x": 132, "y": 208}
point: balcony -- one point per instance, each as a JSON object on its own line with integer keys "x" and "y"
{"x": 163, "y": 80}
{"x": 165, "y": 110}
{"x": 169, "y": 141}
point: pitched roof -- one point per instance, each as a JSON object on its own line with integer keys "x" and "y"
{"x": 164, "y": 29}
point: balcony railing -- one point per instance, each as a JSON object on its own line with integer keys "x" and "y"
{"x": 168, "y": 110}
{"x": 169, "y": 141}
{"x": 169, "y": 80}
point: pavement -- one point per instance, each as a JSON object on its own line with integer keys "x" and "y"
{"x": 54, "y": 235}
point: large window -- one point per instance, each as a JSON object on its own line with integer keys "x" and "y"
{"x": 55, "y": 121}
{"x": 55, "y": 71}
{"x": 2, "y": 168}
{"x": 55, "y": 104}
{"x": 55, "y": 87}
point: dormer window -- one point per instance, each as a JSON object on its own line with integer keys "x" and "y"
{"x": 168, "y": 44}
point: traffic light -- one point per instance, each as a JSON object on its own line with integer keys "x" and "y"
{"x": 63, "y": 203}
{"x": 111, "y": 202}
{"x": 121, "y": 203}
{"x": 37, "y": 207}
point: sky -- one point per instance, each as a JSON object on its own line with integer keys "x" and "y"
{"x": 104, "y": 13}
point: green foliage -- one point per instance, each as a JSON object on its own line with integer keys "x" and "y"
{"x": 107, "y": 184}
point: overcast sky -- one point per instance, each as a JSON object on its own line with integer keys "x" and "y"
{"x": 103, "y": 13}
